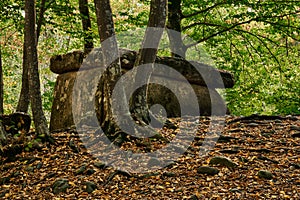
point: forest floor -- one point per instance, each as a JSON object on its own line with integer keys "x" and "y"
{"x": 259, "y": 158}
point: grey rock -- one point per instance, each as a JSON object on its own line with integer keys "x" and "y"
{"x": 295, "y": 128}
{"x": 81, "y": 170}
{"x": 193, "y": 197}
{"x": 39, "y": 165}
{"x": 169, "y": 174}
{"x": 30, "y": 169}
{"x": 265, "y": 174}
{"x": 253, "y": 124}
{"x": 235, "y": 190}
{"x": 296, "y": 165}
{"x": 207, "y": 170}
{"x": 99, "y": 165}
{"x": 297, "y": 134}
{"x": 222, "y": 161}
{"x": 90, "y": 186}
{"x": 229, "y": 151}
{"x": 60, "y": 185}
{"x": 90, "y": 171}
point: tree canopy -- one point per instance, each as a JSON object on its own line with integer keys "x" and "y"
{"x": 258, "y": 41}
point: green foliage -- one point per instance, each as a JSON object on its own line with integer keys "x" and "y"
{"x": 258, "y": 41}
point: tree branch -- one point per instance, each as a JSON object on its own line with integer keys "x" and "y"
{"x": 202, "y": 11}
{"x": 220, "y": 32}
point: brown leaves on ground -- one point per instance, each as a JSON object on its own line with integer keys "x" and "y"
{"x": 265, "y": 156}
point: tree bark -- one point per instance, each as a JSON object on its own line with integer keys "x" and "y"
{"x": 178, "y": 48}
{"x": 24, "y": 98}
{"x": 40, "y": 21}
{"x": 2, "y": 137}
{"x": 1, "y": 85}
{"x": 146, "y": 55}
{"x": 112, "y": 73}
{"x": 30, "y": 39}
{"x": 2, "y": 131}
{"x": 86, "y": 26}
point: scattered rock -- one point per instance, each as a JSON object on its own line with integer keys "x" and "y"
{"x": 265, "y": 174}
{"x": 39, "y": 165}
{"x": 2, "y": 193}
{"x": 54, "y": 157}
{"x": 81, "y": 170}
{"x": 16, "y": 122}
{"x": 15, "y": 174}
{"x": 262, "y": 150}
{"x": 253, "y": 124}
{"x": 223, "y": 138}
{"x": 169, "y": 174}
{"x": 207, "y": 170}
{"x": 50, "y": 175}
{"x": 4, "y": 180}
{"x": 295, "y": 165}
{"x": 30, "y": 169}
{"x": 243, "y": 159}
{"x": 73, "y": 146}
{"x": 222, "y": 161}
{"x": 229, "y": 151}
{"x": 296, "y": 135}
{"x": 235, "y": 190}
{"x": 294, "y": 128}
{"x": 267, "y": 159}
{"x": 90, "y": 171}
{"x": 193, "y": 197}
{"x": 99, "y": 165}
{"x": 31, "y": 160}
{"x": 267, "y": 134}
{"x": 60, "y": 185}
{"x": 90, "y": 187}
{"x": 278, "y": 121}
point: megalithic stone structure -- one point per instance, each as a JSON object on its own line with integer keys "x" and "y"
{"x": 67, "y": 67}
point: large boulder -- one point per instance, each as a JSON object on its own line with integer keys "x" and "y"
{"x": 67, "y": 67}
{"x": 16, "y": 122}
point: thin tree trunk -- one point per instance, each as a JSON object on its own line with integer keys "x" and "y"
{"x": 86, "y": 26}
{"x": 40, "y": 21}
{"x": 1, "y": 85}
{"x": 111, "y": 74}
{"x": 178, "y": 48}
{"x": 2, "y": 131}
{"x": 39, "y": 118}
{"x": 2, "y": 137}
{"x": 24, "y": 98}
{"x": 146, "y": 55}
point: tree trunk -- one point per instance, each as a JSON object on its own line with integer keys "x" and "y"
{"x": 86, "y": 26}
{"x": 1, "y": 85}
{"x": 146, "y": 55}
{"x": 30, "y": 40}
{"x": 2, "y": 131}
{"x": 2, "y": 137}
{"x": 24, "y": 98}
{"x": 41, "y": 19}
{"x": 178, "y": 48}
{"x": 112, "y": 73}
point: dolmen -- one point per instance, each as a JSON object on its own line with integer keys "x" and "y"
{"x": 203, "y": 79}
